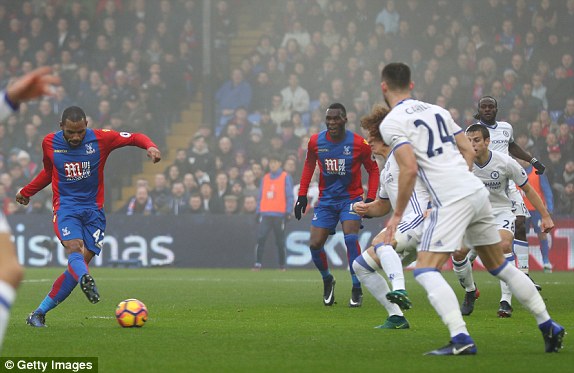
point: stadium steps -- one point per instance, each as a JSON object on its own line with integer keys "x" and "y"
{"x": 179, "y": 137}
{"x": 250, "y": 28}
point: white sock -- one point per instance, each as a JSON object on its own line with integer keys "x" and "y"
{"x": 506, "y": 294}
{"x": 392, "y": 265}
{"x": 374, "y": 282}
{"x": 443, "y": 299}
{"x": 525, "y": 291}
{"x": 7, "y": 296}
{"x": 522, "y": 255}
{"x": 463, "y": 271}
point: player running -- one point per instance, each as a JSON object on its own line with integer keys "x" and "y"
{"x": 380, "y": 255}
{"x": 74, "y": 160}
{"x": 497, "y": 170}
{"x": 502, "y": 140}
{"x": 427, "y": 143}
{"x": 339, "y": 154}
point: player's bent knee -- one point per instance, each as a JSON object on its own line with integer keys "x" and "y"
{"x": 364, "y": 264}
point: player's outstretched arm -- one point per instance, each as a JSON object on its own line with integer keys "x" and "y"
{"x": 34, "y": 84}
{"x": 546, "y": 224}
{"x": 517, "y": 152}
{"x": 377, "y": 208}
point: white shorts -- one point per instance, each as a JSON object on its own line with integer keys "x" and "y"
{"x": 470, "y": 217}
{"x": 408, "y": 236}
{"x": 518, "y": 206}
{"x": 505, "y": 220}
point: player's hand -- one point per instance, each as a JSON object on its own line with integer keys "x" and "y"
{"x": 546, "y": 224}
{"x": 154, "y": 154}
{"x": 300, "y": 207}
{"x": 368, "y": 200}
{"x": 390, "y": 229}
{"x": 21, "y": 199}
{"x": 538, "y": 166}
{"x": 34, "y": 84}
{"x": 360, "y": 208}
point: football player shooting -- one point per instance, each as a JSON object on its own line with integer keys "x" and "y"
{"x": 74, "y": 160}
{"x": 34, "y": 84}
{"x": 339, "y": 153}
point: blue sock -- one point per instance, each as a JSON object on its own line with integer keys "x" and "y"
{"x": 320, "y": 260}
{"x": 62, "y": 287}
{"x": 77, "y": 266}
{"x": 544, "y": 250}
{"x": 353, "y": 251}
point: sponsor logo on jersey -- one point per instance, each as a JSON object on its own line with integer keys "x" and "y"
{"x": 506, "y": 133}
{"x": 492, "y": 184}
{"x": 494, "y": 175}
{"x": 77, "y": 170}
{"x": 322, "y": 150}
{"x": 60, "y": 150}
{"x": 335, "y": 166}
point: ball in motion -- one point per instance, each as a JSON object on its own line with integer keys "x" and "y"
{"x": 131, "y": 313}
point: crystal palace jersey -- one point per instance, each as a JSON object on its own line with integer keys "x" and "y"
{"x": 496, "y": 175}
{"x": 340, "y": 167}
{"x": 430, "y": 130}
{"x": 77, "y": 173}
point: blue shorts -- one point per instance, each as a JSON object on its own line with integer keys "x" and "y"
{"x": 534, "y": 221}
{"x": 328, "y": 215}
{"x": 86, "y": 225}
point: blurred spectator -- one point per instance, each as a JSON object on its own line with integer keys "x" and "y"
{"x": 160, "y": 193}
{"x": 140, "y": 204}
{"x": 199, "y": 156}
{"x": 230, "y": 205}
{"x": 249, "y": 205}
{"x": 177, "y": 202}
{"x": 195, "y": 204}
{"x": 565, "y": 201}
{"x": 567, "y": 115}
{"x": 233, "y": 94}
{"x": 294, "y": 96}
{"x": 206, "y": 192}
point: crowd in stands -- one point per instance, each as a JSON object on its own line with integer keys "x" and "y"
{"x": 132, "y": 64}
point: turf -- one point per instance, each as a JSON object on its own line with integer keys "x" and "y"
{"x": 271, "y": 321}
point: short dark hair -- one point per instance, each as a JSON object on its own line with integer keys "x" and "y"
{"x": 339, "y": 106}
{"x": 397, "y": 75}
{"x": 73, "y": 114}
{"x": 479, "y": 128}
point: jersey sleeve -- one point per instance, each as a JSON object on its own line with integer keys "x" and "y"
{"x": 44, "y": 178}
{"x": 392, "y": 132}
{"x": 308, "y": 166}
{"x": 113, "y": 139}
{"x": 515, "y": 172}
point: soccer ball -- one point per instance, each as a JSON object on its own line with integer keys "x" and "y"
{"x": 131, "y": 313}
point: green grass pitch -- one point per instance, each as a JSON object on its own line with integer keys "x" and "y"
{"x": 241, "y": 321}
